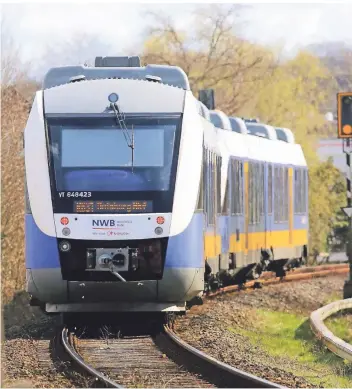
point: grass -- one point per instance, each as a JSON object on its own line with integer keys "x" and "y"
{"x": 341, "y": 326}
{"x": 333, "y": 297}
{"x": 288, "y": 336}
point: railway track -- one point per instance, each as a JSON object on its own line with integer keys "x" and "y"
{"x": 304, "y": 273}
{"x": 159, "y": 358}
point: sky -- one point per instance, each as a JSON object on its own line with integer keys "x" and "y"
{"x": 37, "y": 29}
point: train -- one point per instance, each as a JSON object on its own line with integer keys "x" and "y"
{"x": 141, "y": 197}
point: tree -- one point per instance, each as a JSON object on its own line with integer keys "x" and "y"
{"x": 327, "y": 193}
{"x": 211, "y": 55}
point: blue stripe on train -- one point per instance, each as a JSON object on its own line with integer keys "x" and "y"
{"x": 187, "y": 248}
{"x": 41, "y": 250}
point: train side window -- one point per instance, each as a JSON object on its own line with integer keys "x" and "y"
{"x": 251, "y": 192}
{"x": 238, "y": 188}
{"x": 303, "y": 191}
{"x": 206, "y": 184}
{"x": 276, "y": 194}
{"x": 299, "y": 190}
{"x": 218, "y": 184}
{"x": 286, "y": 195}
{"x": 200, "y": 205}
{"x": 209, "y": 186}
{"x": 305, "y": 202}
{"x": 270, "y": 189}
{"x": 296, "y": 189}
{"x": 250, "y": 200}
{"x": 226, "y": 206}
{"x": 233, "y": 186}
{"x": 262, "y": 186}
{"x": 257, "y": 191}
{"x": 28, "y": 209}
{"x": 211, "y": 189}
{"x": 241, "y": 194}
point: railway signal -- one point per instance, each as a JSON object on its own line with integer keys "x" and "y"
{"x": 344, "y": 125}
{"x": 344, "y": 115}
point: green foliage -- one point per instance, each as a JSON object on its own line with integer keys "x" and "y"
{"x": 340, "y": 325}
{"x": 327, "y": 193}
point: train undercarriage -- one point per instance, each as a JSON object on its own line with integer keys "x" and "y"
{"x": 214, "y": 281}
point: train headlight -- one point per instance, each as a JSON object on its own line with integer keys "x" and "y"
{"x": 66, "y": 231}
{"x": 64, "y": 246}
{"x": 158, "y": 230}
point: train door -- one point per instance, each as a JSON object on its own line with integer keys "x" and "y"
{"x": 210, "y": 233}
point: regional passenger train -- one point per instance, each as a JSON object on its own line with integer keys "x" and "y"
{"x": 139, "y": 198}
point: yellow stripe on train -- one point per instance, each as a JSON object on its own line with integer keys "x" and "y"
{"x": 256, "y": 241}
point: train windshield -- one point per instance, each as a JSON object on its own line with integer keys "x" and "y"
{"x": 95, "y": 155}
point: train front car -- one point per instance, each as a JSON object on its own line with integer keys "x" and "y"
{"x": 113, "y": 165}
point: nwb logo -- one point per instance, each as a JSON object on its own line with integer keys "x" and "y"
{"x": 103, "y": 223}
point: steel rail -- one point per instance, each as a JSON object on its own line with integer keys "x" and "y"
{"x": 246, "y": 379}
{"x": 78, "y": 359}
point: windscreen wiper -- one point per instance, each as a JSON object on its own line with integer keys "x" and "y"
{"x": 120, "y": 120}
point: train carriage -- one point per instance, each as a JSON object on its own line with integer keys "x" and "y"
{"x": 139, "y": 198}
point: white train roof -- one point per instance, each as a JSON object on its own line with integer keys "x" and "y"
{"x": 116, "y": 68}
{"x": 91, "y": 97}
{"x": 238, "y": 125}
{"x": 285, "y": 135}
{"x": 252, "y": 147}
{"x": 220, "y": 120}
{"x": 262, "y": 130}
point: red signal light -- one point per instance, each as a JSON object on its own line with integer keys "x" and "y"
{"x": 64, "y": 221}
{"x": 160, "y": 220}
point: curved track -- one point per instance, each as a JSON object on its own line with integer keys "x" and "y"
{"x": 161, "y": 358}
{"x": 157, "y": 360}
{"x": 304, "y": 273}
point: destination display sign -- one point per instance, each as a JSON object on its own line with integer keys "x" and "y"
{"x": 132, "y": 206}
